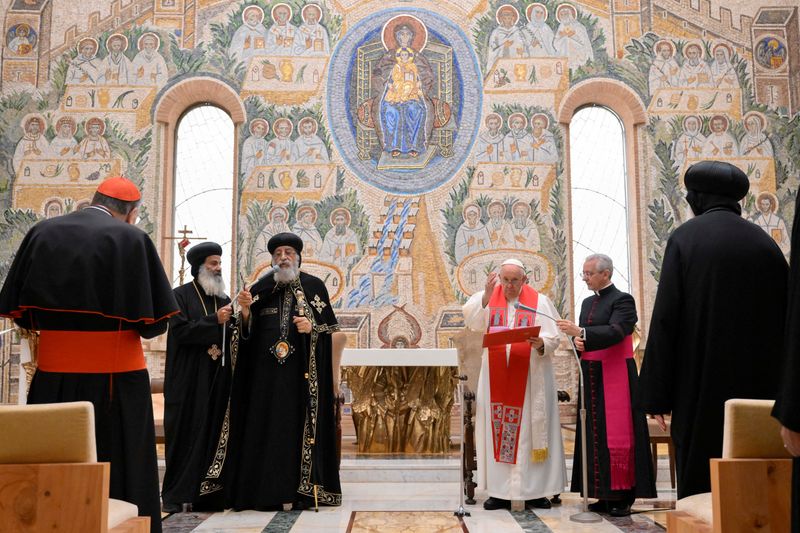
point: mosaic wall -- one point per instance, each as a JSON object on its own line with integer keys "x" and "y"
{"x": 413, "y": 146}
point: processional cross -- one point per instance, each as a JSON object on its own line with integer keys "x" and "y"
{"x": 183, "y": 242}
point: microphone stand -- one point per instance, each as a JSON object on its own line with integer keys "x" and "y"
{"x": 461, "y": 512}
{"x": 585, "y": 516}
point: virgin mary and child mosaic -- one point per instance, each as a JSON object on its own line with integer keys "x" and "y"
{"x": 411, "y": 85}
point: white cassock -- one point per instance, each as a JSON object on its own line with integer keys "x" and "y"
{"x": 505, "y": 42}
{"x": 724, "y": 75}
{"x": 310, "y": 149}
{"x": 489, "y": 148}
{"x": 254, "y": 153}
{"x": 544, "y": 148}
{"x": 115, "y": 70}
{"x": 280, "y": 151}
{"x": 756, "y": 145}
{"x": 663, "y": 74}
{"x": 720, "y": 145}
{"x": 312, "y": 41}
{"x": 280, "y": 39}
{"x": 775, "y": 228}
{"x": 312, "y": 240}
{"x": 540, "y": 39}
{"x": 524, "y": 480}
{"x": 249, "y": 41}
{"x": 149, "y": 69}
{"x": 698, "y": 75}
{"x": 62, "y": 147}
{"x": 572, "y": 40}
{"x": 518, "y": 146}
{"x": 30, "y": 147}
{"x": 471, "y": 240}
{"x": 687, "y": 145}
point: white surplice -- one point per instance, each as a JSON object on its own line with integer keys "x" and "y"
{"x": 524, "y": 480}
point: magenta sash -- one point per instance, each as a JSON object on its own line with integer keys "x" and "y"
{"x": 619, "y": 418}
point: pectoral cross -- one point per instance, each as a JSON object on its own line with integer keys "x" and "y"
{"x": 214, "y": 352}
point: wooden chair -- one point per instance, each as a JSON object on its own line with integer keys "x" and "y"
{"x": 157, "y": 393}
{"x": 660, "y": 436}
{"x": 750, "y": 485}
{"x": 50, "y": 479}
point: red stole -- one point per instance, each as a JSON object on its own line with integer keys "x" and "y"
{"x": 508, "y": 377}
{"x": 619, "y": 420}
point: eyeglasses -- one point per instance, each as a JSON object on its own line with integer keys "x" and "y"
{"x": 587, "y": 275}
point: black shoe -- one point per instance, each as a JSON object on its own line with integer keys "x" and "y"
{"x": 619, "y": 508}
{"x": 600, "y": 506}
{"x": 171, "y": 508}
{"x": 493, "y": 504}
{"x": 556, "y": 500}
{"x": 538, "y": 503}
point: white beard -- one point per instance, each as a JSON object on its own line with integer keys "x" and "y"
{"x": 212, "y": 284}
{"x": 289, "y": 274}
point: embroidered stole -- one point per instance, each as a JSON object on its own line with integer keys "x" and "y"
{"x": 508, "y": 379}
{"x": 619, "y": 421}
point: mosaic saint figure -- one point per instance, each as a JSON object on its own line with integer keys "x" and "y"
{"x": 523, "y": 228}
{"x": 116, "y": 68}
{"x": 572, "y": 39}
{"x": 690, "y": 143}
{"x": 308, "y": 147}
{"x": 694, "y": 71}
{"x": 94, "y": 146}
{"x": 768, "y": 220}
{"x": 720, "y": 144}
{"x": 340, "y": 245}
{"x": 507, "y": 39}
{"x": 250, "y": 38}
{"x": 83, "y": 69}
{"x": 312, "y": 38}
{"x": 281, "y": 149}
{"x": 499, "y": 229}
{"x": 538, "y": 34}
{"x": 64, "y": 145}
{"x": 518, "y": 143}
{"x": 23, "y": 41}
{"x": 723, "y": 72}
{"x": 305, "y": 228}
{"x": 544, "y": 143}
{"x": 404, "y": 79}
{"x": 664, "y": 69}
{"x": 33, "y": 144}
{"x": 472, "y": 235}
{"x": 770, "y": 53}
{"x": 278, "y": 222}
{"x": 489, "y": 146}
{"x": 254, "y": 148}
{"x": 53, "y": 209}
{"x": 282, "y": 34}
{"x": 149, "y": 67}
{"x": 755, "y": 142}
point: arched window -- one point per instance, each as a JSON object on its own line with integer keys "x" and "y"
{"x": 599, "y": 195}
{"x": 204, "y": 183}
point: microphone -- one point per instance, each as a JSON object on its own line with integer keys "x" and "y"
{"x": 255, "y": 287}
{"x": 532, "y": 310}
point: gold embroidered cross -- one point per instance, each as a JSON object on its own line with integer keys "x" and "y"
{"x": 214, "y": 352}
{"x": 318, "y": 303}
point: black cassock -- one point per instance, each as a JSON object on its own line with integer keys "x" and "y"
{"x": 609, "y": 317}
{"x": 787, "y": 404}
{"x": 281, "y": 438}
{"x": 89, "y": 272}
{"x": 716, "y": 333}
{"x": 193, "y": 370}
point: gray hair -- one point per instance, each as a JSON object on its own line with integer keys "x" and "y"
{"x": 603, "y": 262}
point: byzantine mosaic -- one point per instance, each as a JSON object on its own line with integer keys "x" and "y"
{"x": 413, "y": 146}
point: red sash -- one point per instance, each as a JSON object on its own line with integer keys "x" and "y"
{"x": 508, "y": 380}
{"x": 619, "y": 420}
{"x": 90, "y": 352}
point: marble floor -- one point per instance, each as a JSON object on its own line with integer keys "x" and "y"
{"x": 424, "y": 485}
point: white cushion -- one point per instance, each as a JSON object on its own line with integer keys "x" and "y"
{"x": 698, "y": 505}
{"x": 751, "y": 432}
{"x": 119, "y": 511}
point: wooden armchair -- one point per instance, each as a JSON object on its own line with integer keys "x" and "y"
{"x": 50, "y": 479}
{"x": 750, "y": 485}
